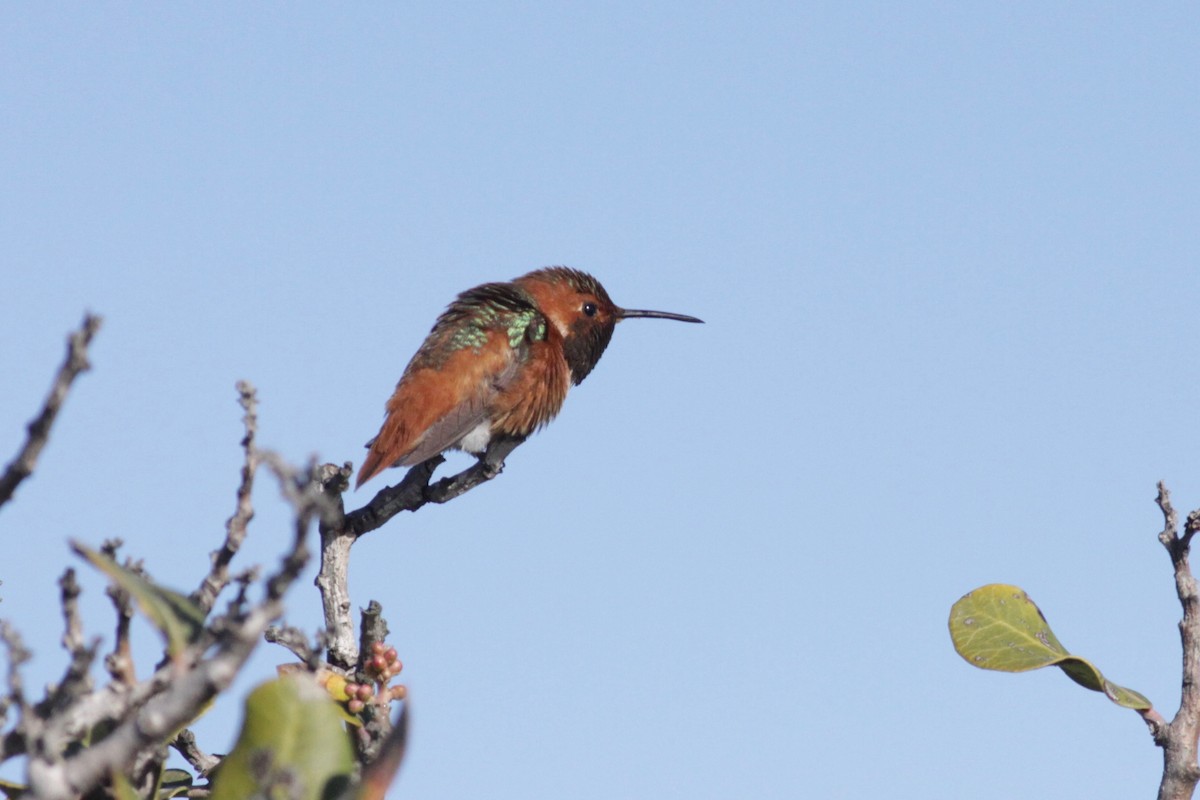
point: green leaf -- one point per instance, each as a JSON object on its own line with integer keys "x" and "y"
{"x": 122, "y": 789}
{"x": 176, "y": 617}
{"x": 998, "y": 627}
{"x": 292, "y": 745}
{"x": 11, "y": 789}
{"x": 335, "y": 686}
{"x": 173, "y": 783}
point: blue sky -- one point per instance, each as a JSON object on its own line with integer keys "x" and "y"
{"x": 947, "y": 255}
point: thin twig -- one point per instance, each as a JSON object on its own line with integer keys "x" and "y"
{"x": 235, "y": 527}
{"x": 76, "y": 362}
{"x": 378, "y": 775}
{"x": 1191, "y": 526}
{"x": 377, "y": 720}
{"x": 77, "y": 681}
{"x": 184, "y": 743}
{"x": 296, "y": 641}
{"x": 72, "y": 625}
{"x": 415, "y": 490}
{"x": 119, "y": 662}
{"x": 374, "y": 630}
{"x": 28, "y": 724}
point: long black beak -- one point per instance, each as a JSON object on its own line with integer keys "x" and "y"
{"x": 633, "y": 313}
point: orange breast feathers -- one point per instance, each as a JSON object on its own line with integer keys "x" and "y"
{"x": 536, "y": 392}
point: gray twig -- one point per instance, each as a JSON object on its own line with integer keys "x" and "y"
{"x": 119, "y": 662}
{"x": 184, "y": 743}
{"x": 17, "y": 656}
{"x": 72, "y": 626}
{"x": 78, "y": 678}
{"x": 235, "y": 527}
{"x": 296, "y": 641}
{"x": 21, "y": 467}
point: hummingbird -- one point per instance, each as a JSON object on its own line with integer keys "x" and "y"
{"x": 498, "y": 362}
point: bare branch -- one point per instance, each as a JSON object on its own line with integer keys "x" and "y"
{"x": 296, "y": 641}
{"x": 332, "y": 580}
{"x": 374, "y": 631}
{"x": 235, "y": 528}
{"x": 379, "y": 774}
{"x": 1178, "y": 738}
{"x": 162, "y": 714}
{"x": 181, "y": 689}
{"x": 1170, "y": 531}
{"x": 1191, "y": 526}
{"x": 140, "y": 717}
{"x": 77, "y": 681}
{"x": 414, "y": 491}
{"x": 76, "y": 362}
{"x": 184, "y": 743}
{"x": 28, "y": 725}
{"x": 119, "y": 662}
{"x": 72, "y": 626}
{"x": 377, "y": 720}
{"x": 339, "y": 534}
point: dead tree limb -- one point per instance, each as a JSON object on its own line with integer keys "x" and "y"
{"x": 76, "y": 362}
{"x": 338, "y": 536}
{"x": 1178, "y": 737}
{"x": 148, "y": 713}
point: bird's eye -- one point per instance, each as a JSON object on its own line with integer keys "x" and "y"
{"x": 589, "y": 309}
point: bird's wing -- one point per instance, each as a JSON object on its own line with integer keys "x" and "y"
{"x": 447, "y": 389}
{"x": 472, "y": 409}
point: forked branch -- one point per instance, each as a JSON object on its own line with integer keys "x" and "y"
{"x": 410, "y": 494}
{"x": 1178, "y": 737}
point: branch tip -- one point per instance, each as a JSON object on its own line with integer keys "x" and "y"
{"x": 76, "y": 362}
